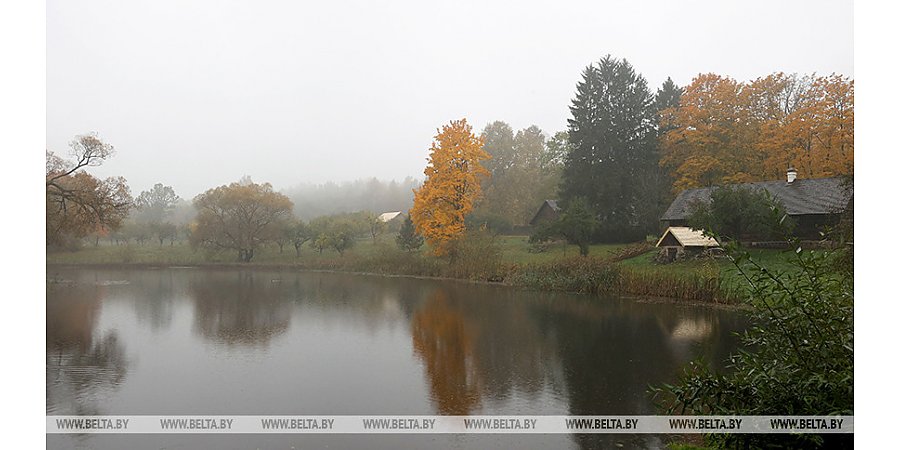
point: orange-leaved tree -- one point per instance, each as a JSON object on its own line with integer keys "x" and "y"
{"x": 725, "y": 131}
{"x": 452, "y": 185}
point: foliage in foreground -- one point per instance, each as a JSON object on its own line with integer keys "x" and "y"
{"x": 797, "y": 358}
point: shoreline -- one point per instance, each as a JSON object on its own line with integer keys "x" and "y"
{"x": 280, "y": 266}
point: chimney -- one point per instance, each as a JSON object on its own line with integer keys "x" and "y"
{"x": 791, "y": 175}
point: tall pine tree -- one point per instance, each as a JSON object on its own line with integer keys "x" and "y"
{"x": 665, "y": 105}
{"x": 613, "y": 157}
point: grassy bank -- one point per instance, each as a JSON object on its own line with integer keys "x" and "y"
{"x": 610, "y": 268}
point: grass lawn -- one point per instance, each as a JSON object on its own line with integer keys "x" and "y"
{"x": 776, "y": 261}
{"x": 515, "y": 250}
{"x": 182, "y": 253}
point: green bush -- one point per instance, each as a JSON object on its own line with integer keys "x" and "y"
{"x": 737, "y": 212}
{"x": 797, "y": 357}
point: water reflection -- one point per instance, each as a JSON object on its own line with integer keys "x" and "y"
{"x": 82, "y": 369}
{"x": 318, "y": 343}
{"x": 444, "y": 341}
{"x": 239, "y": 309}
{"x": 154, "y": 294}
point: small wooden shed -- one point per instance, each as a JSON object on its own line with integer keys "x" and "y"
{"x": 548, "y": 212}
{"x": 680, "y": 242}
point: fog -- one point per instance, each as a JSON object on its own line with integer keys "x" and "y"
{"x": 197, "y": 94}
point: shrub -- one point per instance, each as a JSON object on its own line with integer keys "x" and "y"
{"x": 797, "y": 357}
{"x": 576, "y": 225}
{"x": 477, "y": 257}
{"x": 736, "y": 212}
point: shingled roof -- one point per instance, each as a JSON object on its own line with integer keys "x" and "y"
{"x": 801, "y": 197}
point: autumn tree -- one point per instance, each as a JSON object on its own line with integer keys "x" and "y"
{"x": 809, "y": 125}
{"x": 78, "y": 203}
{"x": 515, "y": 167}
{"x": 240, "y": 216}
{"x": 711, "y": 134}
{"x": 452, "y": 184}
{"x": 524, "y": 170}
{"x": 613, "y": 149}
{"x": 724, "y": 131}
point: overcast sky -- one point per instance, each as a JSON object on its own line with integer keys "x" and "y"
{"x": 195, "y": 94}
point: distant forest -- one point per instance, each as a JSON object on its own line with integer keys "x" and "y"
{"x": 367, "y": 194}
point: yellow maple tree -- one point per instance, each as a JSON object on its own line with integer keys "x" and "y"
{"x": 451, "y": 187}
{"x": 725, "y": 131}
{"x": 814, "y": 133}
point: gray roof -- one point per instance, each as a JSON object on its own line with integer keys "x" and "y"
{"x": 803, "y": 196}
{"x": 552, "y": 204}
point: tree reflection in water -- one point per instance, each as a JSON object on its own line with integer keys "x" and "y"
{"x": 82, "y": 368}
{"x": 444, "y": 342}
{"x": 241, "y": 308}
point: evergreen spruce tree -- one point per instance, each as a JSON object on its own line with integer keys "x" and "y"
{"x": 658, "y": 182}
{"x": 613, "y": 156}
{"x": 669, "y": 96}
{"x": 408, "y": 239}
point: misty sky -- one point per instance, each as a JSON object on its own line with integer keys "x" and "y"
{"x": 196, "y": 94}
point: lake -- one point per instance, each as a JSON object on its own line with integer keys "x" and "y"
{"x": 258, "y": 341}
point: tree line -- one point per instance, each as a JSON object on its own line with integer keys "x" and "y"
{"x": 624, "y": 155}
{"x": 631, "y": 151}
